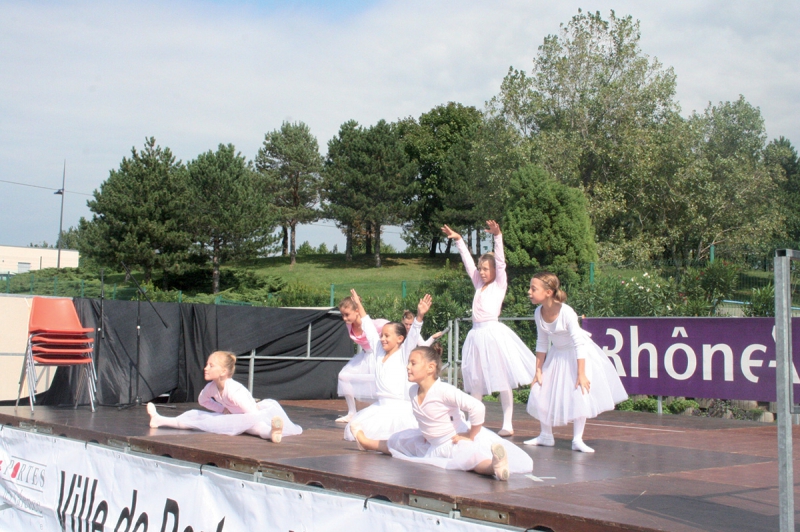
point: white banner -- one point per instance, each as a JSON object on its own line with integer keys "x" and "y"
{"x": 52, "y": 483}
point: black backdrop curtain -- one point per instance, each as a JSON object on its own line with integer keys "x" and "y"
{"x": 171, "y": 358}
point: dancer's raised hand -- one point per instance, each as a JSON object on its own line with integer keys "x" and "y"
{"x": 357, "y": 300}
{"x": 492, "y": 227}
{"x": 449, "y": 233}
{"x": 424, "y": 306}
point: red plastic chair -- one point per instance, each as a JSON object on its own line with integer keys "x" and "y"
{"x": 56, "y": 338}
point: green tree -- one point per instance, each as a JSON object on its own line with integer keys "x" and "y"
{"x": 441, "y": 145}
{"x": 546, "y": 223}
{"x": 781, "y": 158}
{"x": 368, "y": 175}
{"x": 232, "y": 217}
{"x": 290, "y": 164}
{"x": 342, "y": 183}
{"x": 139, "y": 214}
{"x": 594, "y": 111}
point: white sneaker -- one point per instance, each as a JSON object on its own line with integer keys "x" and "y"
{"x": 578, "y": 445}
{"x": 541, "y": 440}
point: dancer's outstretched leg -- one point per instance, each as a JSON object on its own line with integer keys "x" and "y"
{"x": 269, "y": 431}
{"x": 497, "y": 466}
{"x": 577, "y": 436}
{"x": 157, "y": 420}
{"x": 545, "y": 437}
{"x": 507, "y": 402}
{"x": 367, "y": 444}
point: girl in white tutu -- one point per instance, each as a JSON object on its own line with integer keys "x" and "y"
{"x": 574, "y": 379}
{"x": 392, "y": 412}
{"x": 444, "y": 438}
{"x": 494, "y": 359}
{"x": 234, "y": 410}
{"x": 357, "y": 377}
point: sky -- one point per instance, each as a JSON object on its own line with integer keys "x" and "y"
{"x": 81, "y": 82}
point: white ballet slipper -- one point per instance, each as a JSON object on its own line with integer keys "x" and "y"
{"x": 541, "y": 440}
{"x": 276, "y": 434}
{"x": 344, "y": 419}
{"x": 504, "y": 433}
{"x": 500, "y": 462}
{"x": 355, "y": 428}
{"x": 578, "y": 445}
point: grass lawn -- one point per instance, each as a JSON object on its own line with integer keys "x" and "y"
{"x": 321, "y": 271}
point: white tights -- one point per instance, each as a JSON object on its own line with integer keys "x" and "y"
{"x": 577, "y": 429}
{"x": 507, "y": 402}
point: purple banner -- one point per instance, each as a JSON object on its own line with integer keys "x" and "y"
{"x": 713, "y": 358}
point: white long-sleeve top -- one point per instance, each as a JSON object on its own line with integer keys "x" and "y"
{"x": 565, "y": 331}
{"x": 488, "y": 301}
{"x": 391, "y": 376}
{"x": 439, "y": 414}
{"x": 235, "y": 397}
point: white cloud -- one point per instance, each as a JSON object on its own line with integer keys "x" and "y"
{"x": 86, "y": 81}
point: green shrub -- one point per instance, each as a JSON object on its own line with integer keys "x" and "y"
{"x": 762, "y": 302}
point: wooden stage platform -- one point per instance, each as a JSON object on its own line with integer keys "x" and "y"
{"x": 674, "y": 473}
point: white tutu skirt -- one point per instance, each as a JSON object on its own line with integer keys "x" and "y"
{"x": 494, "y": 359}
{"x": 382, "y": 419}
{"x": 557, "y": 401}
{"x": 232, "y": 424}
{"x": 357, "y": 378}
{"x": 465, "y": 455}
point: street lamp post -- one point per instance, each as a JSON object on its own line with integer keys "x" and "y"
{"x": 61, "y": 220}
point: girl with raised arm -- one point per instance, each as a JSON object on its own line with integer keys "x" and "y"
{"x": 392, "y": 412}
{"x": 494, "y": 359}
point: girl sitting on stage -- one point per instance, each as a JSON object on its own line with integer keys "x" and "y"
{"x": 574, "y": 379}
{"x": 223, "y": 395}
{"x": 357, "y": 377}
{"x": 392, "y": 412}
{"x": 444, "y": 439}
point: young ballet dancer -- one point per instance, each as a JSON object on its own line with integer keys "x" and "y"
{"x": 392, "y": 412}
{"x": 234, "y": 410}
{"x": 444, "y": 438}
{"x": 574, "y": 379}
{"x": 408, "y": 319}
{"x": 494, "y": 359}
{"x": 357, "y": 377}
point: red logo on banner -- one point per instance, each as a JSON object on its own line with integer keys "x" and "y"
{"x": 16, "y": 470}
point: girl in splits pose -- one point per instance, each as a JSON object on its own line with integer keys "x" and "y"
{"x": 444, "y": 438}
{"x": 392, "y": 412}
{"x": 574, "y": 379}
{"x": 233, "y": 409}
{"x": 357, "y": 377}
{"x": 494, "y": 359}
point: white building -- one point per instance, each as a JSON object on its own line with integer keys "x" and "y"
{"x": 15, "y": 259}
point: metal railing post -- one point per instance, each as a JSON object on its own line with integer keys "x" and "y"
{"x": 333, "y": 295}
{"x": 308, "y": 342}
{"x": 591, "y": 273}
{"x": 404, "y": 289}
{"x": 251, "y": 370}
{"x": 783, "y": 378}
{"x": 450, "y": 352}
{"x": 456, "y": 361}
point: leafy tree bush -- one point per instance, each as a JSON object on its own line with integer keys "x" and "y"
{"x": 762, "y": 302}
{"x": 547, "y": 225}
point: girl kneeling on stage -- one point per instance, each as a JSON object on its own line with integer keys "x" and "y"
{"x": 444, "y": 439}
{"x": 223, "y": 395}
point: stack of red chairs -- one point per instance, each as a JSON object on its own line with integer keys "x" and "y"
{"x": 56, "y": 338}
